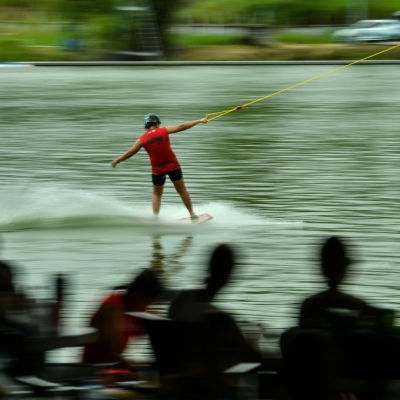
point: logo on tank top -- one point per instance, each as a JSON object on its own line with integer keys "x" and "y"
{"x": 155, "y": 140}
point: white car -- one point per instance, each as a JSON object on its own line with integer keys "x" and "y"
{"x": 369, "y": 31}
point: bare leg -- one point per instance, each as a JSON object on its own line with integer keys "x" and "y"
{"x": 156, "y": 201}
{"x": 181, "y": 189}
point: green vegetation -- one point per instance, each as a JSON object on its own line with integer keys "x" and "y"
{"x": 33, "y": 38}
{"x": 302, "y": 39}
{"x": 83, "y": 10}
{"x": 204, "y": 40}
{"x": 39, "y": 42}
{"x": 12, "y": 50}
{"x": 286, "y": 12}
{"x": 89, "y": 21}
{"x": 284, "y": 52}
{"x": 39, "y": 4}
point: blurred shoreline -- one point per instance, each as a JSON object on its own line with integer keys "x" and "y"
{"x": 278, "y": 52}
{"x": 188, "y": 63}
{"x": 286, "y": 52}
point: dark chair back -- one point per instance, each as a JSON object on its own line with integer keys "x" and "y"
{"x": 168, "y": 339}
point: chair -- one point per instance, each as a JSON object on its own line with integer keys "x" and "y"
{"x": 168, "y": 339}
{"x": 171, "y": 344}
{"x": 319, "y": 363}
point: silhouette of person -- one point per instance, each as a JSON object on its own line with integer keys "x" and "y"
{"x": 315, "y": 310}
{"x": 188, "y": 304}
{"x": 216, "y": 342}
{"x": 313, "y": 352}
{"x": 16, "y": 326}
{"x": 115, "y": 327}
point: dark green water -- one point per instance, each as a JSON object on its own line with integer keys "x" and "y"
{"x": 278, "y": 177}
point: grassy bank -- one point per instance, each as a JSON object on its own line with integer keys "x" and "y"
{"x": 43, "y": 42}
{"x": 204, "y": 40}
{"x": 284, "y": 52}
{"x": 11, "y": 52}
{"x": 302, "y": 38}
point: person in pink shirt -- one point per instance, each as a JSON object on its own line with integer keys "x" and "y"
{"x": 163, "y": 159}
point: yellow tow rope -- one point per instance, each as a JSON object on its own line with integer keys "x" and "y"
{"x": 222, "y": 113}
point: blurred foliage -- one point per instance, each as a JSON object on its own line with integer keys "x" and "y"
{"x": 98, "y": 36}
{"x": 285, "y": 12}
{"x": 92, "y": 12}
{"x": 205, "y": 40}
{"x": 288, "y": 37}
{"x": 31, "y": 4}
{"x": 12, "y": 50}
{"x": 80, "y": 10}
{"x": 91, "y": 22}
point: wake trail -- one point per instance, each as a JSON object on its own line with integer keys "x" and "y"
{"x": 61, "y": 207}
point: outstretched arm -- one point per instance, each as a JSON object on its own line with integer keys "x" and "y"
{"x": 185, "y": 125}
{"x": 132, "y": 151}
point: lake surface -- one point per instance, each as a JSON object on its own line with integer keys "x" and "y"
{"x": 278, "y": 176}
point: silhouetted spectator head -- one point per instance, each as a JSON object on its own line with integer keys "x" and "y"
{"x": 220, "y": 267}
{"x": 143, "y": 290}
{"x": 6, "y": 278}
{"x": 334, "y": 261}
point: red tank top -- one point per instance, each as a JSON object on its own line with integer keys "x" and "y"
{"x": 162, "y": 158}
{"x": 130, "y": 326}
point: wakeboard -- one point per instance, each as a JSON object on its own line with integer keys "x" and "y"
{"x": 201, "y": 218}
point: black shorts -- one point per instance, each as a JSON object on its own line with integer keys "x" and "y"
{"x": 159, "y": 180}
